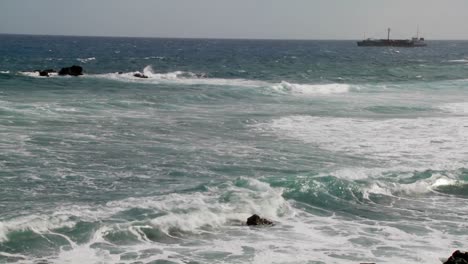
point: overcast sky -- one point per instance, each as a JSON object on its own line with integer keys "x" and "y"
{"x": 277, "y": 19}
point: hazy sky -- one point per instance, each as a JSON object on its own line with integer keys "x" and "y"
{"x": 290, "y": 19}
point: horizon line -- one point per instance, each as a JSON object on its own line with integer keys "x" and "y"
{"x": 201, "y": 38}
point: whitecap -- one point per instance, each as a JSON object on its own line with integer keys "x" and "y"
{"x": 190, "y": 78}
{"x": 311, "y": 89}
{"x": 177, "y": 77}
{"x": 86, "y": 60}
{"x": 459, "y": 60}
{"x": 154, "y": 57}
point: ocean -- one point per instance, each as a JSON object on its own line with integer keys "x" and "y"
{"x": 356, "y": 154}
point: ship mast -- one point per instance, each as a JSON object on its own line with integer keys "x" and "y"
{"x": 388, "y": 34}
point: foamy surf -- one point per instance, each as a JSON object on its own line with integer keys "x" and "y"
{"x": 176, "y": 77}
{"x": 190, "y": 78}
{"x": 433, "y": 142}
{"x": 180, "y": 217}
{"x": 459, "y": 60}
{"x": 311, "y": 89}
{"x": 455, "y": 108}
{"x": 36, "y": 74}
{"x": 210, "y": 223}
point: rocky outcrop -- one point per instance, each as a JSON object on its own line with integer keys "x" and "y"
{"x": 73, "y": 71}
{"x": 458, "y": 257}
{"x": 257, "y": 220}
{"x": 140, "y": 75}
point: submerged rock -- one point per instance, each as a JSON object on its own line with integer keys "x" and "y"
{"x": 257, "y": 220}
{"x": 140, "y": 75}
{"x": 458, "y": 257}
{"x": 73, "y": 71}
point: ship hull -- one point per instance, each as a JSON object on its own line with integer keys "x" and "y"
{"x": 391, "y": 43}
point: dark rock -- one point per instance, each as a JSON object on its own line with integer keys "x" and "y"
{"x": 458, "y": 257}
{"x": 47, "y": 70}
{"x": 140, "y": 75}
{"x": 257, "y": 220}
{"x": 120, "y": 73}
{"x": 73, "y": 71}
{"x": 44, "y": 74}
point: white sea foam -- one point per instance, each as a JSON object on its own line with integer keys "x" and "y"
{"x": 444, "y": 182}
{"x": 154, "y": 57}
{"x": 5, "y": 72}
{"x": 422, "y": 186}
{"x": 178, "y": 77}
{"x": 189, "y": 78}
{"x": 456, "y": 108}
{"x": 432, "y": 142}
{"x": 357, "y": 173}
{"x": 36, "y": 74}
{"x": 312, "y": 89}
{"x": 85, "y": 60}
{"x": 376, "y": 189}
{"x": 36, "y": 223}
{"x": 297, "y": 238}
{"x": 51, "y": 59}
{"x": 3, "y": 232}
{"x": 459, "y": 61}
{"x": 190, "y": 212}
{"x": 391, "y": 188}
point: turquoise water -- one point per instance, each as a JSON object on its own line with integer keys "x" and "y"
{"x": 357, "y": 154}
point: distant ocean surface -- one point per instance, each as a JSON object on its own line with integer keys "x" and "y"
{"x": 357, "y": 154}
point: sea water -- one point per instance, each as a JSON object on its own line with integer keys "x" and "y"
{"x": 357, "y": 154}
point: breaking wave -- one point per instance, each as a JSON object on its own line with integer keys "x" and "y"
{"x": 459, "y": 61}
{"x": 190, "y": 78}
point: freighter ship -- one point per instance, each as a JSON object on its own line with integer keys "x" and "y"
{"x": 413, "y": 42}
